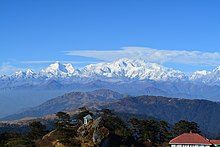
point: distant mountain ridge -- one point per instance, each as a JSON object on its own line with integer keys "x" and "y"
{"x": 68, "y": 101}
{"x": 204, "y": 112}
{"x": 119, "y": 70}
{"x": 130, "y": 76}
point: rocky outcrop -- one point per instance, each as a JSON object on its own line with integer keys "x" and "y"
{"x": 92, "y": 134}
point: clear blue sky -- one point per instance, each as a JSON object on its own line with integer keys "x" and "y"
{"x": 42, "y": 30}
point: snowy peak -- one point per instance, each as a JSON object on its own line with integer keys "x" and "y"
{"x": 19, "y": 74}
{"x": 132, "y": 69}
{"x": 70, "y": 69}
{"x": 29, "y": 72}
{"x": 209, "y": 78}
{"x": 217, "y": 70}
{"x": 58, "y": 69}
{"x": 55, "y": 67}
{"x": 119, "y": 70}
{"x": 24, "y": 74}
{"x": 199, "y": 74}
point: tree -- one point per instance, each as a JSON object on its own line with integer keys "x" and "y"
{"x": 63, "y": 116}
{"x": 82, "y": 108}
{"x": 107, "y": 111}
{"x": 149, "y": 132}
{"x": 119, "y": 134}
{"x": 164, "y": 134}
{"x": 83, "y": 114}
{"x": 184, "y": 126}
{"x": 12, "y": 139}
{"x": 37, "y": 130}
{"x": 218, "y": 136}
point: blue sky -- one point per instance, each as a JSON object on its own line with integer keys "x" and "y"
{"x": 182, "y": 34}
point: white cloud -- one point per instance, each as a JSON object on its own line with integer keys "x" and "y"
{"x": 7, "y": 69}
{"x": 51, "y": 61}
{"x": 153, "y": 55}
{"x": 35, "y": 62}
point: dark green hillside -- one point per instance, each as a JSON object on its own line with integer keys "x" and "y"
{"x": 205, "y": 113}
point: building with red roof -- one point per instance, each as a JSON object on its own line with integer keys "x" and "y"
{"x": 215, "y": 142}
{"x": 190, "y": 140}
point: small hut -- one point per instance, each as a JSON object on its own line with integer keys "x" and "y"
{"x": 87, "y": 119}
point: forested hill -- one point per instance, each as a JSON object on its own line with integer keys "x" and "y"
{"x": 204, "y": 112}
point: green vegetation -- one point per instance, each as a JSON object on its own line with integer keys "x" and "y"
{"x": 11, "y": 139}
{"x": 184, "y": 126}
{"x": 119, "y": 133}
{"x": 64, "y": 130}
{"x": 63, "y": 116}
{"x": 37, "y": 130}
{"x": 83, "y": 113}
{"x": 136, "y": 132}
{"x": 150, "y": 132}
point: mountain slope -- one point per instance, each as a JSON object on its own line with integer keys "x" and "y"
{"x": 125, "y": 69}
{"x": 58, "y": 70}
{"x": 205, "y": 113}
{"x": 72, "y": 100}
{"x": 210, "y": 78}
{"x": 119, "y": 70}
{"x": 130, "y": 76}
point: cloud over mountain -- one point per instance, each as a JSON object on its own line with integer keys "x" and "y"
{"x": 7, "y": 69}
{"x": 153, "y": 55}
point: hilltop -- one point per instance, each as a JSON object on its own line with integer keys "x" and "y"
{"x": 204, "y": 112}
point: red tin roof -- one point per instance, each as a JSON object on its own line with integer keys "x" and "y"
{"x": 190, "y": 138}
{"x": 216, "y": 142}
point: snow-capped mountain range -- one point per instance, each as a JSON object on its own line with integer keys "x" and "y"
{"x": 127, "y": 76}
{"x": 121, "y": 70}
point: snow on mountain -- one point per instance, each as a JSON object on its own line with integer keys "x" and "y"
{"x": 3, "y": 77}
{"x": 131, "y": 69}
{"x": 19, "y": 74}
{"x": 119, "y": 70}
{"x": 58, "y": 70}
{"x": 30, "y": 72}
{"x": 25, "y": 74}
{"x": 209, "y": 78}
{"x": 213, "y": 77}
{"x": 199, "y": 74}
{"x": 217, "y": 69}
